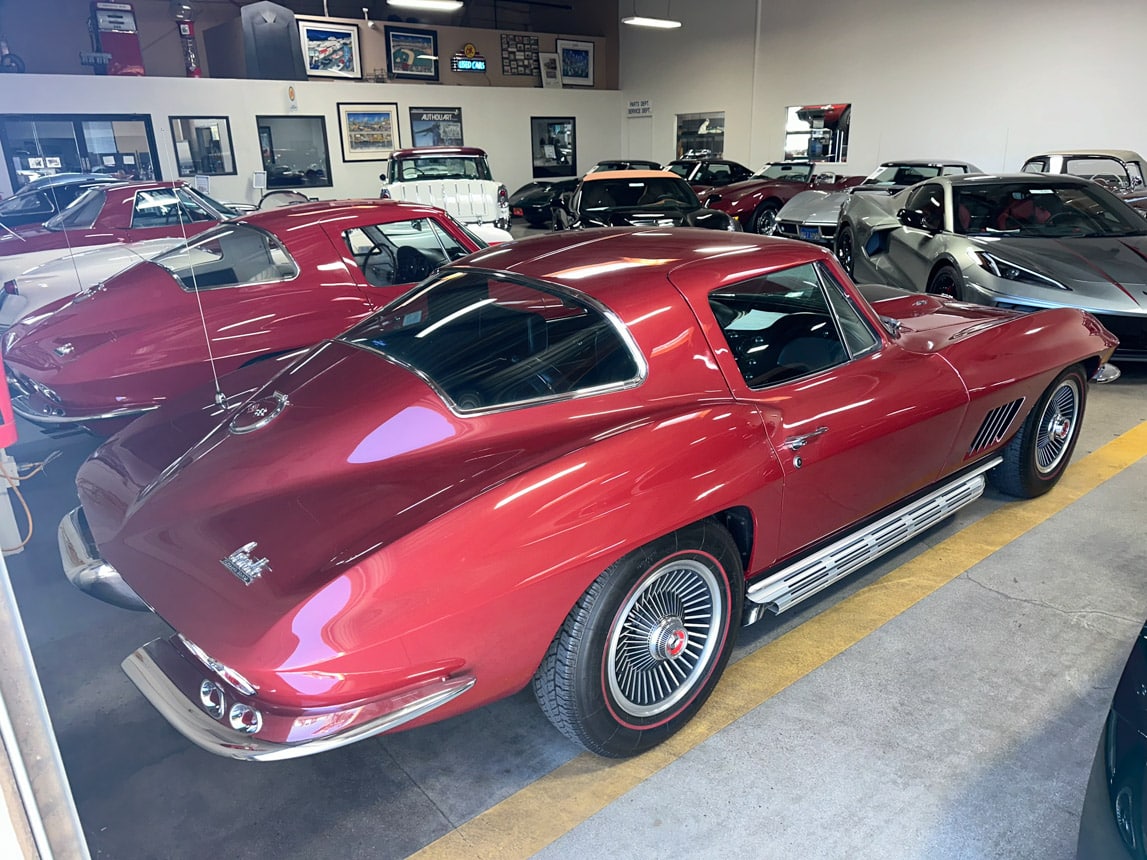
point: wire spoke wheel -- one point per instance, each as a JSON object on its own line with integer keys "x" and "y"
{"x": 663, "y": 638}
{"x": 1057, "y": 426}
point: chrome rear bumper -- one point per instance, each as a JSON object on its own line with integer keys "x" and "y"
{"x": 160, "y": 672}
{"x": 86, "y": 570}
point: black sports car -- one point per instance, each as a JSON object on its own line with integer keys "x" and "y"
{"x": 639, "y": 198}
{"x": 1113, "y": 824}
{"x": 534, "y": 200}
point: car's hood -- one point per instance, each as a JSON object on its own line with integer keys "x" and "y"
{"x": 358, "y": 453}
{"x": 1105, "y": 274}
{"x": 813, "y": 207}
{"x": 737, "y": 190}
{"x": 930, "y": 323}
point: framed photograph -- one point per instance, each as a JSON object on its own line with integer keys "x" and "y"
{"x": 411, "y": 54}
{"x": 551, "y": 70}
{"x": 330, "y": 50}
{"x": 431, "y": 126}
{"x": 369, "y": 132}
{"x": 575, "y": 60}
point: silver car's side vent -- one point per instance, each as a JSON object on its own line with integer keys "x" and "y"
{"x": 804, "y": 578}
{"x": 995, "y": 426}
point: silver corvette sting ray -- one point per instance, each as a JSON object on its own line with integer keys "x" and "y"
{"x": 1023, "y": 241}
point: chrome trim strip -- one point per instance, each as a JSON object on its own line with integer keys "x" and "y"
{"x": 803, "y": 578}
{"x": 194, "y": 724}
{"x": 86, "y": 570}
{"x": 21, "y": 407}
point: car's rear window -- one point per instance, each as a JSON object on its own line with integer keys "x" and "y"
{"x": 81, "y": 214}
{"x": 227, "y": 257}
{"x": 487, "y": 341}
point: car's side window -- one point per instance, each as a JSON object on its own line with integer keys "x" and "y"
{"x": 401, "y": 252}
{"x": 157, "y": 207}
{"x": 780, "y": 326}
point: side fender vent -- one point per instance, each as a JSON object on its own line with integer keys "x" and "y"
{"x": 995, "y": 426}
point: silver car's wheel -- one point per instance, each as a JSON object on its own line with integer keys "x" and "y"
{"x": 845, "y": 248}
{"x": 644, "y": 646}
{"x": 1035, "y": 458}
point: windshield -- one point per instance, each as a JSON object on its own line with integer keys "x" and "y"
{"x": 680, "y": 168}
{"x": 1110, "y": 171}
{"x": 81, "y": 214}
{"x": 657, "y": 191}
{"x": 439, "y": 167}
{"x": 1051, "y": 210}
{"x": 902, "y": 174}
{"x": 790, "y": 171}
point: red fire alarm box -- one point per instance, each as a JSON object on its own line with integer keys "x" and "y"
{"x": 115, "y": 35}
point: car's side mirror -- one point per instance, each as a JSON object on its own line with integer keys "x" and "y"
{"x": 916, "y": 219}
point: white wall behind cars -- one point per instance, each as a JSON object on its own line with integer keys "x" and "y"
{"x": 496, "y": 119}
{"x": 987, "y": 81}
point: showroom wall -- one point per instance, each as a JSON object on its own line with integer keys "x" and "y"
{"x": 496, "y": 119}
{"x": 987, "y": 81}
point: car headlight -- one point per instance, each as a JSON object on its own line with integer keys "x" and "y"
{"x": 1013, "y": 272}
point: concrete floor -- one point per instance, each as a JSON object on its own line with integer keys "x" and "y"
{"x": 962, "y": 728}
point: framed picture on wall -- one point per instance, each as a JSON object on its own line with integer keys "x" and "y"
{"x": 369, "y": 132}
{"x": 412, "y": 54}
{"x": 436, "y": 126}
{"x": 575, "y": 60}
{"x": 330, "y": 50}
{"x": 553, "y": 144}
{"x": 550, "y": 68}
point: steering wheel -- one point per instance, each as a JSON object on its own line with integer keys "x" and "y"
{"x": 533, "y": 377}
{"x": 1065, "y": 218}
{"x": 373, "y": 252}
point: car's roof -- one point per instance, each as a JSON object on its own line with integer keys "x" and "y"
{"x": 618, "y": 265}
{"x": 68, "y": 179}
{"x": 927, "y": 162}
{"x": 1121, "y": 154}
{"x": 968, "y": 179}
{"x": 629, "y": 174}
{"x": 280, "y": 219}
{"x": 417, "y": 151}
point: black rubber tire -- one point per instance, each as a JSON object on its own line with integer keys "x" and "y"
{"x": 11, "y": 64}
{"x": 1036, "y": 457}
{"x": 765, "y": 218}
{"x": 844, "y": 246}
{"x": 1128, "y": 799}
{"x": 629, "y": 627}
{"x": 946, "y": 281}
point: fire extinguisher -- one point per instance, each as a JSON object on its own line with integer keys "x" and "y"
{"x": 184, "y": 16}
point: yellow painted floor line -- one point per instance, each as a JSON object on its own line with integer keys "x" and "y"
{"x": 531, "y": 819}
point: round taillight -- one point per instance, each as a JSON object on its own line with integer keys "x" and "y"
{"x": 245, "y": 719}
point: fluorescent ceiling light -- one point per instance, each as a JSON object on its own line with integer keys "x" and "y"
{"x": 641, "y": 21}
{"x": 428, "y": 5}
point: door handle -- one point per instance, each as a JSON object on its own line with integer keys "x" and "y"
{"x": 795, "y": 443}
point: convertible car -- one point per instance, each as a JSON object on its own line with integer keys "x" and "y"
{"x": 1021, "y": 241}
{"x": 702, "y": 173}
{"x": 813, "y": 215}
{"x": 1122, "y": 171}
{"x": 577, "y": 465}
{"x": 110, "y": 215}
{"x": 756, "y": 201}
{"x": 264, "y": 285}
{"x": 641, "y": 198}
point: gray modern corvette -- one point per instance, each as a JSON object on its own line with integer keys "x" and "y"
{"x": 1019, "y": 241}
{"x": 812, "y": 215}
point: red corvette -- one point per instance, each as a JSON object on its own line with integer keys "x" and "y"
{"x": 756, "y": 201}
{"x": 578, "y": 462}
{"x": 110, "y": 215}
{"x": 268, "y": 284}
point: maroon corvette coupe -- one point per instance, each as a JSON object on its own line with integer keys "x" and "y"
{"x": 578, "y": 462}
{"x": 264, "y": 285}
